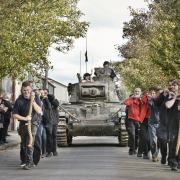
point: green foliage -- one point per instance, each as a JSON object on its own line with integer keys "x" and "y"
{"x": 164, "y": 38}
{"x": 151, "y": 54}
{"x": 29, "y": 28}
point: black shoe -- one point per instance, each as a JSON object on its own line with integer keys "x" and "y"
{"x": 145, "y": 156}
{"x": 170, "y": 163}
{"x": 131, "y": 152}
{"x": 27, "y": 167}
{"x": 49, "y": 154}
{"x": 174, "y": 168}
{"x": 139, "y": 155}
{"x": 8, "y": 135}
{"x": 163, "y": 160}
{"x": 55, "y": 154}
{"x": 43, "y": 155}
{"x": 135, "y": 152}
{"x": 5, "y": 141}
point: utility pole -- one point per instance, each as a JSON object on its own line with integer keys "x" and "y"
{"x": 46, "y": 79}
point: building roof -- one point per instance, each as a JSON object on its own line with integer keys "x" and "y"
{"x": 49, "y": 82}
{"x": 50, "y": 79}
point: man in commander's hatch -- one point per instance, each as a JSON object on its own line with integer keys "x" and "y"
{"x": 109, "y": 71}
{"x": 87, "y": 78}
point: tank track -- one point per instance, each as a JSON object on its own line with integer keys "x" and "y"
{"x": 123, "y": 135}
{"x": 62, "y": 135}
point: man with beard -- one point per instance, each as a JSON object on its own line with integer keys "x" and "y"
{"x": 162, "y": 131}
{"x": 173, "y": 104}
{"x": 132, "y": 122}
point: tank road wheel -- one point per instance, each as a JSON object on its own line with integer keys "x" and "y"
{"x": 123, "y": 135}
{"x": 62, "y": 135}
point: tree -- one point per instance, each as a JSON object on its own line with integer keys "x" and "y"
{"x": 29, "y": 28}
{"x": 151, "y": 54}
{"x": 164, "y": 37}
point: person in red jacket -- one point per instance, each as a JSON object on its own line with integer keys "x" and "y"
{"x": 137, "y": 111}
{"x": 133, "y": 120}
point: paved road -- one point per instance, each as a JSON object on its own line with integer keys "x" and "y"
{"x": 88, "y": 159}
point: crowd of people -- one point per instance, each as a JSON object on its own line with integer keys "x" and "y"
{"x": 153, "y": 124}
{"x": 44, "y": 120}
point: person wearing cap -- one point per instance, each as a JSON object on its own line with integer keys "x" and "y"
{"x": 87, "y": 78}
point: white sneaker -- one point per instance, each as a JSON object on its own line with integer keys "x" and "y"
{"x": 22, "y": 164}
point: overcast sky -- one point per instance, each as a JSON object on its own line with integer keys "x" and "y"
{"x": 106, "y": 19}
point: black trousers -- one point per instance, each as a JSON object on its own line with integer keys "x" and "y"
{"x": 132, "y": 129}
{"x": 3, "y": 131}
{"x": 144, "y": 143}
{"x": 54, "y": 138}
{"x": 49, "y": 142}
{"x": 44, "y": 140}
{"x": 163, "y": 148}
{"x": 2, "y": 137}
{"x": 26, "y": 153}
{"x": 162, "y": 134}
{"x": 173, "y": 158}
{"x": 6, "y": 125}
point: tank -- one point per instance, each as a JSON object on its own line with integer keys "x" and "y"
{"x": 94, "y": 109}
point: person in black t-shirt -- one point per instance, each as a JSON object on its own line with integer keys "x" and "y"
{"x": 20, "y": 112}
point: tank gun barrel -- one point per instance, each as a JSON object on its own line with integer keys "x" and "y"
{"x": 71, "y": 115}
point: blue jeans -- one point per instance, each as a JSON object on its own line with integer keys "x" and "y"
{"x": 38, "y": 145}
{"x": 152, "y": 129}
